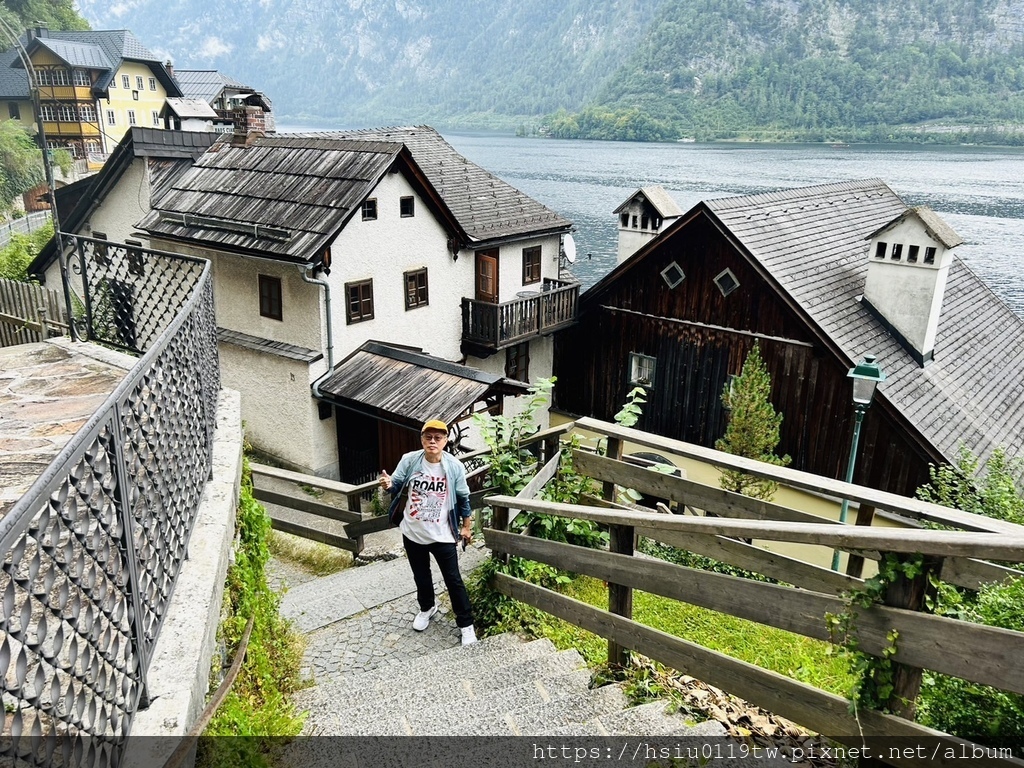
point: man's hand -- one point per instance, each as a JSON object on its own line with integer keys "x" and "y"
{"x": 384, "y": 480}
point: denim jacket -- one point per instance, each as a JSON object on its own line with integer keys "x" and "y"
{"x": 455, "y": 474}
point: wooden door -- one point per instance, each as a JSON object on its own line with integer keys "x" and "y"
{"x": 487, "y": 276}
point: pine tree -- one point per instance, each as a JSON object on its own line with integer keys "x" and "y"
{"x": 753, "y": 429}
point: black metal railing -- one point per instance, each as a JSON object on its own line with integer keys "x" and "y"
{"x": 92, "y": 551}
{"x": 496, "y": 326}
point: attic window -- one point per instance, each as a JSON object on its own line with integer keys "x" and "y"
{"x": 912, "y": 254}
{"x": 641, "y": 369}
{"x": 406, "y": 207}
{"x": 726, "y": 281}
{"x": 645, "y": 222}
{"x": 673, "y": 275}
{"x": 929, "y": 255}
{"x": 897, "y": 251}
{"x": 370, "y": 209}
{"x": 880, "y": 250}
{"x": 624, "y": 220}
{"x": 270, "y": 297}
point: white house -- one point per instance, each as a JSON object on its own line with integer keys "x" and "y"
{"x": 323, "y": 242}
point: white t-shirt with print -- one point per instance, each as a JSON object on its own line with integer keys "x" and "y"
{"x": 426, "y": 510}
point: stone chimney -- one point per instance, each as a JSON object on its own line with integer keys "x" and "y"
{"x": 908, "y": 264}
{"x": 642, "y": 217}
{"x": 170, "y": 68}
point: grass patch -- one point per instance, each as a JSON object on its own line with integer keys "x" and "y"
{"x": 810, "y": 661}
{"x": 311, "y": 556}
{"x": 258, "y": 707}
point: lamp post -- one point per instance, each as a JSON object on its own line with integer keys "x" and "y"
{"x": 866, "y": 378}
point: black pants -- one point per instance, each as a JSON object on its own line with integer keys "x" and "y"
{"x": 447, "y": 557}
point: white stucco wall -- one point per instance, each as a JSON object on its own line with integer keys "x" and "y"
{"x": 909, "y": 295}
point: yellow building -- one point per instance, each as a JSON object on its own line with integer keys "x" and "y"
{"x": 92, "y": 87}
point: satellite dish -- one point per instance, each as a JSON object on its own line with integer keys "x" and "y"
{"x": 569, "y": 247}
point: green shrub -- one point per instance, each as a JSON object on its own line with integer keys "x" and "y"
{"x": 21, "y": 250}
{"x": 258, "y": 707}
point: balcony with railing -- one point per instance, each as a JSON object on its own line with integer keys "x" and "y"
{"x": 489, "y": 327}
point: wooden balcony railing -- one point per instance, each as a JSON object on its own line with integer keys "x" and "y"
{"x": 496, "y": 326}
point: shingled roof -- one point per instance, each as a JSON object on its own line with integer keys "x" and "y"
{"x": 812, "y": 242}
{"x": 486, "y": 207}
{"x": 277, "y": 196}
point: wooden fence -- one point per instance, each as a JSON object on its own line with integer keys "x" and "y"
{"x": 29, "y": 313}
{"x": 974, "y": 652}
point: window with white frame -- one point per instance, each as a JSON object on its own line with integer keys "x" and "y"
{"x": 726, "y": 281}
{"x": 139, "y": 83}
{"x": 87, "y": 113}
{"x": 673, "y": 275}
{"x": 131, "y": 117}
{"x": 111, "y": 117}
{"x": 48, "y": 112}
{"x": 641, "y": 369}
{"x": 66, "y": 113}
{"x": 126, "y": 82}
{"x": 81, "y": 77}
{"x": 152, "y": 83}
{"x": 156, "y": 117}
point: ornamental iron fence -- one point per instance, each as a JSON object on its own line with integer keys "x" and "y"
{"x": 92, "y": 551}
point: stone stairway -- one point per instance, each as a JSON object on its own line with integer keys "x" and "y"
{"x": 502, "y": 686}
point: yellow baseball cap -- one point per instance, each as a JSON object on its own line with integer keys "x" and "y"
{"x": 435, "y": 424}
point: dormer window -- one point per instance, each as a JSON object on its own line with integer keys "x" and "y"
{"x": 624, "y": 220}
{"x": 897, "y": 251}
{"x": 912, "y": 254}
{"x": 929, "y": 255}
{"x": 880, "y": 249}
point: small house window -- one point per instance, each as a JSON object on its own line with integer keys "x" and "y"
{"x": 111, "y": 117}
{"x": 152, "y": 83}
{"x": 87, "y": 113}
{"x": 531, "y": 265}
{"x": 135, "y": 262}
{"x": 880, "y": 250}
{"x": 929, "y": 255}
{"x": 406, "y": 207}
{"x": 726, "y": 281}
{"x": 416, "y": 288}
{"x": 81, "y": 77}
{"x": 656, "y": 224}
{"x": 912, "y": 254}
{"x": 359, "y": 301}
{"x": 126, "y": 82}
{"x": 113, "y": 83}
{"x": 644, "y": 222}
{"x": 100, "y": 249}
{"x": 13, "y": 110}
{"x": 673, "y": 275}
{"x": 131, "y": 117}
{"x": 138, "y": 82}
{"x": 517, "y": 362}
{"x": 156, "y": 117}
{"x": 897, "y": 251}
{"x": 270, "y": 297}
{"x": 624, "y": 220}
{"x": 641, "y": 370}
{"x": 370, "y": 209}
{"x": 636, "y": 220}
{"x": 135, "y": 95}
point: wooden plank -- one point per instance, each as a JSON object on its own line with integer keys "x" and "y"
{"x": 987, "y": 655}
{"x": 750, "y": 557}
{"x": 693, "y": 494}
{"x": 621, "y": 540}
{"x": 313, "y": 534}
{"x": 532, "y": 488}
{"x": 311, "y": 506}
{"x": 941, "y": 543}
{"x": 901, "y": 505}
{"x": 311, "y": 480}
{"x": 806, "y": 705}
{"x": 973, "y": 574}
{"x": 367, "y": 525}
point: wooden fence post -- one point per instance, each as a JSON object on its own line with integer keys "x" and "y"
{"x": 621, "y": 540}
{"x": 613, "y": 451}
{"x": 855, "y": 563}
{"x": 499, "y": 522}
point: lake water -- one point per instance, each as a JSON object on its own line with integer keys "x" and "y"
{"x": 979, "y": 191}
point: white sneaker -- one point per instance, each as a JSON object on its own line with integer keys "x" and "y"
{"x": 423, "y": 618}
{"x": 468, "y": 635}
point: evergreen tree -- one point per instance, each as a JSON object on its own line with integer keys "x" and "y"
{"x": 753, "y": 429}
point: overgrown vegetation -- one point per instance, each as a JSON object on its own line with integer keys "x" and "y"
{"x": 21, "y": 250}
{"x": 258, "y": 707}
{"x": 753, "y": 428}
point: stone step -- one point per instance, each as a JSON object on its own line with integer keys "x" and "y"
{"x": 651, "y": 719}
{"x": 489, "y": 653}
{"x": 475, "y": 678}
{"x": 576, "y": 708}
{"x": 442, "y": 706}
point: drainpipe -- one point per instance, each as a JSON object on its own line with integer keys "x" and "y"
{"x": 330, "y": 328}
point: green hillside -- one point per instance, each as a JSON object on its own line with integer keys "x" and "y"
{"x": 828, "y": 70}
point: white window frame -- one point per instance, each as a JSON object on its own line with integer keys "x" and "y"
{"x": 140, "y": 84}
{"x": 126, "y": 82}
{"x": 111, "y": 117}
{"x": 131, "y": 117}
{"x": 152, "y": 83}
{"x": 156, "y": 117}
{"x": 642, "y": 369}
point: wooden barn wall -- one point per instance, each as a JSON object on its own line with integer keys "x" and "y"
{"x": 810, "y": 386}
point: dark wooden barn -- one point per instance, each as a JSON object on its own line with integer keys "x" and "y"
{"x": 787, "y": 271}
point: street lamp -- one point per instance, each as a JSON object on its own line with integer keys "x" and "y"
{"x": 866, "y": 378}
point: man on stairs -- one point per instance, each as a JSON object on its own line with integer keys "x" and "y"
{"x": 430, "y": 497}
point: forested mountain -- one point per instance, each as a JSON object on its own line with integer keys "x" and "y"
{"x": 645, "y": 69}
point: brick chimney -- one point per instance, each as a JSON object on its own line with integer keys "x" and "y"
{"x": 170, "y": 68}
